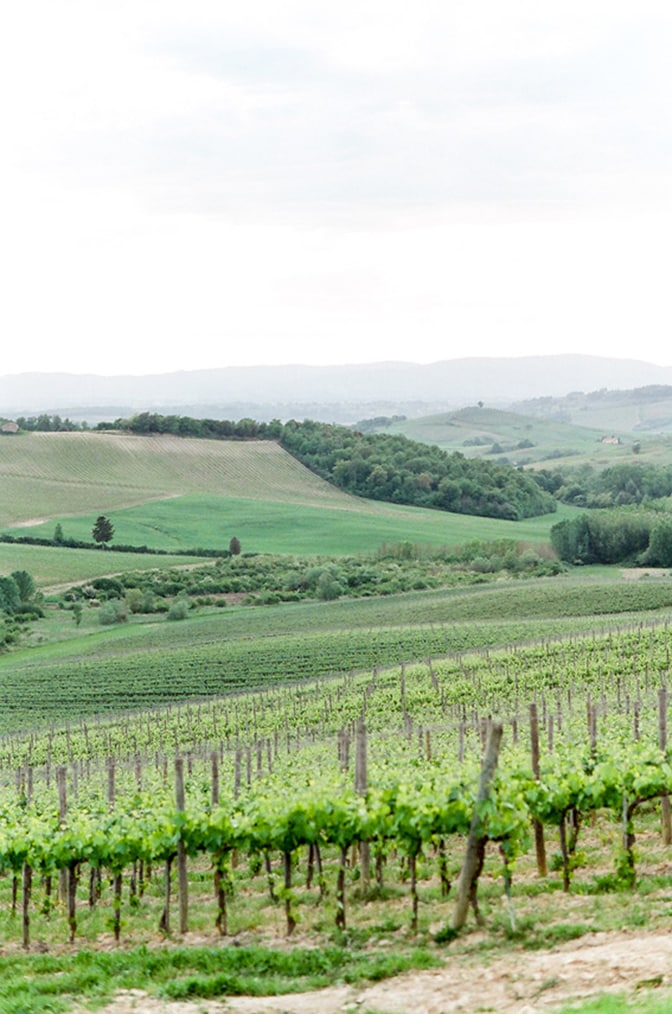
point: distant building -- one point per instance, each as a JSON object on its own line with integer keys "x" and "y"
{"x": 9, "y": 427}
{"x": 610, "y": 440}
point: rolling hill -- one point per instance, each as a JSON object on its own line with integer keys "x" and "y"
{"x": 641, "y": 410}
{"x": 53, "y": 475}
{"x": 174, "y": 493}
{"x": 540, "y": 440}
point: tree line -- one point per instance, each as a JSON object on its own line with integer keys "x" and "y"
{"x": 622, "y": 535}
{"x": 619, "y": 485}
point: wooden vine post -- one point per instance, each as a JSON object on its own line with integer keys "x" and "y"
{"x": 361, "y": 786}
{"x": 219, "y": 884}
{"x": 27, "y": 884}
{"x": 539, "y": 842}
{"x": 473, "y": 859}
{"x": 62, "y": 816}
{"x": 182, "y": 883}
{"x": 662, "y": 743}
{"x": 27, "y": 879}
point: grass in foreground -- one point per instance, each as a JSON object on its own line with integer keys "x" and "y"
{"x": 622, "y": 1005}
{"x": 55, "y": 982}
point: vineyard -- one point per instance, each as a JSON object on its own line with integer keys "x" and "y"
{"x": 349, "y": 786}
{"x": 317, "y": 774}
{"x": 151, "y": 663}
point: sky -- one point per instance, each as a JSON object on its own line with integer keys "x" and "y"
{"x": 189, "y": 185}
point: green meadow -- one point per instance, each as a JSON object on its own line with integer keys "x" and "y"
{"x": 276, "y": 526}
{"x": 50, "y": 565}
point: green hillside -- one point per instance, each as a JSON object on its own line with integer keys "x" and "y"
{"x": 173, "y": 493}
{"x": 643, "y": 412}
{"x": 279, "y": 526}
{"x": 54, "y": 475}
{"x": 497, "y": 435}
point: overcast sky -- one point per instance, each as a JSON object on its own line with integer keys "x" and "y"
{"x": 207, "y": 183}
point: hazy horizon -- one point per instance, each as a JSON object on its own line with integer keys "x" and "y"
{"x": 212, "y": 185}
{"x": 120, "y": 372}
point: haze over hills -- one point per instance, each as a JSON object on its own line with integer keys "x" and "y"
{"x": 330, "y": 393}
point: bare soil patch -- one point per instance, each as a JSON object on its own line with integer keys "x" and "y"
{"x": 519, "y": 982}
{"x": 635, "y": 573}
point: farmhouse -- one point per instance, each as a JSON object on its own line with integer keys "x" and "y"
{"x": 9, "y": 427}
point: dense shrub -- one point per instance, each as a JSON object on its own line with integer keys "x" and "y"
{"x": 111, "y": 612}
{"x": 659, "y": 551}
{"x": 178, "y": 610}
{"x": 265, "y": 578}
{"x": 10, "y": 597}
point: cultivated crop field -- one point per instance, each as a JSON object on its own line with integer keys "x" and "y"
{"x": 272, "y": 818}
{"x": 299, "y": 779}
{"x": 53, "y": 475}
{"x": 89, "y": 670}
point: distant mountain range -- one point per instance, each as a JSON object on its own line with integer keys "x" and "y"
{"x": 330, "y": 393}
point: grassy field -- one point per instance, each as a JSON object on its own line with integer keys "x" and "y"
{"x": 171, "y": 493}
{"x": 277, "y": 526}
{"x": 51, "y": 566}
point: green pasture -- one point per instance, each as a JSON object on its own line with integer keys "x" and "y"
{"x": 276, "y": 526}
{"x": 50, "y": 565}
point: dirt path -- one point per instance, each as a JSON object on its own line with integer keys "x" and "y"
{"x": 520, "y": 982}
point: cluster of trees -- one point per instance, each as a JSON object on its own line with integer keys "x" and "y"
{"x": 16, "y": 592}
{"x": 378, "y": 422}
{"x": 378, "y": 466}
{"x": 48, "y": 424}
{"x": 618, "y": 486}
{"x": 639, "y": 537}
{"x": 18, "y": 604}
{"x": 185, "y": 426}
{"x": 391, "y": 467}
